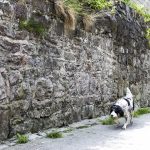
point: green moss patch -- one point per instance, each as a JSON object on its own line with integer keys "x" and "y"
{"x": 54, "y": 135}
{"x": 107, "y": 121}
{"x": 141, "y": 111}
{"x": 32, "y": 26}
{"x": 99, "y": 4}
{"x": 21, "y": 139}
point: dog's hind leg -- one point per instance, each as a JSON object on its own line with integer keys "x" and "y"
{"x": 131, "y": 119}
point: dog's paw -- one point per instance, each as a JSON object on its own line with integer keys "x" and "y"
{"x": 124, "y": 127}
{"x": 131, "y": 122}
{"x": 117, "y": 125}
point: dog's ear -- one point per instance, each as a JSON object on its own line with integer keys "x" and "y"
{"x": 120, "y": 112}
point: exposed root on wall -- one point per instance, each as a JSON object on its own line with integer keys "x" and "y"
{"x": 68, "y": 15}
{"x": 88, "y": 21}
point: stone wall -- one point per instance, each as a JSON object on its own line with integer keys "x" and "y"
{"x": 56, "y": 80}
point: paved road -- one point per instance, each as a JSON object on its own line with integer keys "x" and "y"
{"x": 98, "y": 137}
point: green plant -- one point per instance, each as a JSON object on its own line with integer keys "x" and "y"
{"x": 74, "y": 4}
{"x": 148, "y": 35}
{"x": 32, "y": 26}
{"x": 147, "y": 17}
{"x": 22, "y": 138}
{"x": 99, "y": 4}
{"x": 107, "y": 121}
{"x": 54, "y": 135}
{"x": 141, "y": 111}
{"x": 126, "y": 1}
{"x": 140, "y": 9}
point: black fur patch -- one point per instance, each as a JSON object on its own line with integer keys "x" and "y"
{"x": 118, "y": 110}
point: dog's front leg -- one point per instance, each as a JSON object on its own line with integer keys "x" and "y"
{"x": 127, "y": 120}
{"x": 117, "y": 122}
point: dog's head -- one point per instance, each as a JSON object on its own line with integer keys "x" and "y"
{"x": 116, "y": 111}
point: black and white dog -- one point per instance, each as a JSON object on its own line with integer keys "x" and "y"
{"x": 124, "y": 107}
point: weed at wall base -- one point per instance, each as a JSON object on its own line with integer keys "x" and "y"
{"x": 21, "y": 139}
{"x": 54, "y": 135}
{"x": 107, "y": 121}
{"x": 141, "y": 111}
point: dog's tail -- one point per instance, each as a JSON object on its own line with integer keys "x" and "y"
{"x": 128, "y": 93}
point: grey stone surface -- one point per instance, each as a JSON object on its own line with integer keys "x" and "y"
{"x": 55, "y": 80}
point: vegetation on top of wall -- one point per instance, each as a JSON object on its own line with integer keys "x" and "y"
{"x": 82, "y": 5}
{"x": 78, "y": 6}
{"x": 99, "y": 4}
{"x": 74, "y": 4}
{"x": 32, "y": 26}
{"x": 69, "y": 8}
{"x": 140, "y": 9}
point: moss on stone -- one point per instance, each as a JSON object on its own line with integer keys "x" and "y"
{"x": 32, "y": 26}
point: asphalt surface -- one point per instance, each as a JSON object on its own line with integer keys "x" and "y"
{"x": 98, "y": 137}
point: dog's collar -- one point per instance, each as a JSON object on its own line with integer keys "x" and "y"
{"x": 127, "y": 100}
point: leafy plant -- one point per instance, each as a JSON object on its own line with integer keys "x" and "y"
{"x": 32, "y": 26}
{"x": 141, "y": 111}
{"x": 140, "y": 9}
{"x": 74, "y": 4}
{"x": 99, "y": 4}
{"x": 148, "y": 33}
{"x": 54, "y": 135}
{"x": 78, "y": 5}
{"x": 146, "y": 17}
{"x": 107, "y": 121}
{"x": 22, "y": 138}
{"x": 126, "y": 1}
